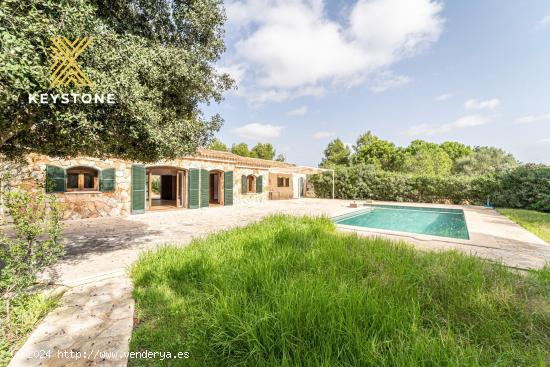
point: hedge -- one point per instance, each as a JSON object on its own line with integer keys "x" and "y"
{"x": 525, "y": 187}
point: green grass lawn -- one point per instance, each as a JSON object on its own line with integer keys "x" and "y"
{"x": 293, "y": 292}
{"x": 536, "y": 222}
{"x": 25, "y": 313}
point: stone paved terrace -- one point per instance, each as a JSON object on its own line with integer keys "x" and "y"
{"x": 95, "y": 313}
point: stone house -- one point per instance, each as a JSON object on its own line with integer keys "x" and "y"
{"x": 92, "y": 187}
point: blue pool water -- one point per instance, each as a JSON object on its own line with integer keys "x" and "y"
{"x": 431, "y": 221}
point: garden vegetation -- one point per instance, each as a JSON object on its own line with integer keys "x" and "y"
{"x": 427, "y": 172}
{"x": 29, "y": 242}
{"x": 292, "y": 291}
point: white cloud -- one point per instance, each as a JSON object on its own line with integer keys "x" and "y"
{"x": 261, "y": 96}
{"x": 544, "y": 22}
{"x": 544, "y": 141}
{"x": 300, "y": 111}
{"x": 319, "y": 135}
{"x": 459, "y": 124}
{"x": 533, "y": 118}
{"x": 256, "y": 131}
{"x": 236, "y": 71}
{"x": 388, "y": 80}
{"x": 292, "y": 45}
{"x": 443, "y": 97}
{"x": 476, "y": 104}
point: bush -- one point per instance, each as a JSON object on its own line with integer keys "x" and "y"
{"x": 526, "y": 187}
{"x": 33, "y": 242}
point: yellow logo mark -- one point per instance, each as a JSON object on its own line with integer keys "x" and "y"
{"x": 64, "y": 68}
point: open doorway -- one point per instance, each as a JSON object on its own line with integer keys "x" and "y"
{"x": 166, "y": 188}
{"x": 216, "y": 188}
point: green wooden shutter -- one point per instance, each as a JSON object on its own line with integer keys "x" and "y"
{"x": 205, "y": 188}
{"x": 243, "y": 184}
{"x": 259, "y": 184}
{"x": 55, "y": 179}
{"x": 194, "y": 176}
{"x": 138, "y": 189}
{"x": 228, "y": 188}
{"x": 107, "y": 180}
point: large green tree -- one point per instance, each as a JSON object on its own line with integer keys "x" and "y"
{"x": 486, "y": 160}
{"x": 240, "y": 149}
{"x": 217, "y": 144}
{"x": 263, "y": 151}
{"x": 422, "y": 157}
{"x": 456, "y": 150}
{"x": 156, "y": 56}
{"x": 379, "y": 153}
{"x": 336, "y": 153}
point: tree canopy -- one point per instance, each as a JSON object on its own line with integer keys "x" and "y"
{"x": 373, "y": 151}
{"x": 263, "y": 151}
{"x": 336, "y": 153}
{"x": 486, "y": 160}
{"x": 419, "y": 157}
{"x": 156, "y": 56}
{"x": 260, "y": 150}
{"x": 240, "y": 149}
{"x": 217, "y": 144}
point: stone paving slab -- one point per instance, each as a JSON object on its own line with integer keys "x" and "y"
{"x": 91, "y": 320}
{"x": 95, "y": 314}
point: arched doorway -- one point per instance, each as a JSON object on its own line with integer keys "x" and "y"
{"x": 166, "y": 188}
{"x": 216, "y": 187}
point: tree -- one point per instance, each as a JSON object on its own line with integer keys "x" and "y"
{"x": 336, "y": 153}
{"x": 379, "y": 153}
{"x": 217, "y": 144}
{"x": 263, "y": 151}
{"x": 364, "y": 139}
{"x": 422, "y": 157}
{"x": 280, "y": 158}
{"x": 240, "y": 149}
{"x": 456, "y": 150}
{"x": 156, "y": 56}
{"x": 486, "y": 160}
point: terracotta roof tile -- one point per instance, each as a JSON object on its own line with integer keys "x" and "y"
{"x": 237, "y": 159}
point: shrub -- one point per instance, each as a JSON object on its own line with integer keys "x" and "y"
{"x": 33, "y": 242}
{"x": 526, "y": 187}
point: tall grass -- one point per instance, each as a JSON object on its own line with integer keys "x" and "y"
{"x": 536, "y": 222}
{"x": 26, "y": 311}
{"x": 292, "y": 292}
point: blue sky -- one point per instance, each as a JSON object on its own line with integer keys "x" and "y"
{"x": 309, "y": 71}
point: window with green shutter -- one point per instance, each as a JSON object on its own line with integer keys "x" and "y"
{"x": 228, "y": 188}
{"x": 205, "y": 188}
{"x": 55, "y": 179}
{"x": 243, "y": 184}
{"x": 138, "y": 188}
{"x": 194, "y": 177}
{"x": 259, "y": 184}
{"x": 107, "y": 180}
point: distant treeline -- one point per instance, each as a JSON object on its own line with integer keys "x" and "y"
{"x": 426, "y": 172}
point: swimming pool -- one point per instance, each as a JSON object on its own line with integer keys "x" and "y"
{"x": 441, "y": 222}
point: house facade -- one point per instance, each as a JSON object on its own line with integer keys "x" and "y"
{"x": 92, "y": 187}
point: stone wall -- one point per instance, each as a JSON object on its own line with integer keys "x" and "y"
{"x": 92, "y": 204}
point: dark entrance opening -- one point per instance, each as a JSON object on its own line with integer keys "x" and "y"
{"x": 166, "y": 188}
{"x": 216, "y": 188}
